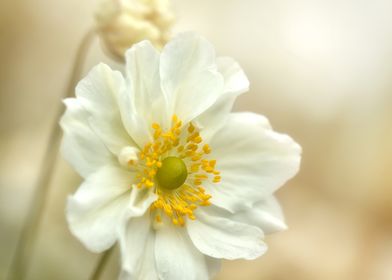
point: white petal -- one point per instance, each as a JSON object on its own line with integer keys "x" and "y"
{"x": 142, "y": 103}
{"x": 98, "y": 93}
{"x": 98, "y": 206}
{"x": 128, "y": 156}
{"x": 235, "y": 79}
{"x": 222, "y": 238}
{"x": 190, "y": 80}
{"x": 141, "y": 199}
{"x": 265, "y": 214}
{"x": 253, "y": 159}
{"x": 176, "y": 257}
{"x": 81, "y": 147}
{"x": 137, "y": 244}
{"x": 143, "y": 78}
{"x": 235, "y": 83}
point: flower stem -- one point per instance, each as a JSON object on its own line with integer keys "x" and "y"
{"x": 24, "y": 248}
{"x": 101, "y": 264}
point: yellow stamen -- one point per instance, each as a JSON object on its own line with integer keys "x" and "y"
{"x": 158, "y": 218}
{"x": 206, "y": 149}
{"x": 179, "y": 203}
{"x": 191, "y": 128}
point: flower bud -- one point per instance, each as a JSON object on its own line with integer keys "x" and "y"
{"x": 122, "y": 23}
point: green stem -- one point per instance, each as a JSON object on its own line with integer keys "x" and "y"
{"x": 24, "y": 249}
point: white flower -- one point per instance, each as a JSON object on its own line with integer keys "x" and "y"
{"x": 169, "y": 172}
{"x": 122, "y": 23}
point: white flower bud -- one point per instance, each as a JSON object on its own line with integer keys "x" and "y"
{"x": 122, "y": 23}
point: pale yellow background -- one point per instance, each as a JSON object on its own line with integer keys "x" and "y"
{"x": 319, "y": 70}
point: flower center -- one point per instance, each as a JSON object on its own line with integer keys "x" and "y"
{"x": 172, "y": 174}
{"x": 175, "y": 164}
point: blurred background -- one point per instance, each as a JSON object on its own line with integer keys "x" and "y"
{"x": 321, "y": 71}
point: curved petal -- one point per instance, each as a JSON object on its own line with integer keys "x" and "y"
{"x": 81, "y": 147}
{"x": 190, "y": 80}
{"x": 97, "y": 208}
{"x": 235, "y": 83}
{"x": 97, "y": 93}
{"x": 265, "y": 214}
{"x": 222, "y": 238}
{"x": 253, "y": 159}
{"x": 140, "y": 201}
{"x": 137, "y": 241}
{"x": 176, "y": 257}
{"x": 143, "y": 78}
{"x": 142, "y": 103}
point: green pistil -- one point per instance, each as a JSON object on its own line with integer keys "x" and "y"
{"x": 172, "y": 174}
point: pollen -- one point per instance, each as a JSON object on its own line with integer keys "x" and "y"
{"x": 176, "y": 164}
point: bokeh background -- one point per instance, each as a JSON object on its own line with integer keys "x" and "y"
{"x": 321, "y": 71}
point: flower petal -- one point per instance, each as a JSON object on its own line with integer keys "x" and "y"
{"x": 235, "y": 80}
{"x": 253, "y": 159}
{"x": 143, "y": 102}
{"x": 190, "y": 80}
{"x": 144, "y": 80}
{"x": 81, "y": 147}
{"x": 235, "y": 83}
{"x": 141, "y": 199}
{"x": 98, "y": 206}
{"x": 222, "y": 238}
{"x": 265, "y": 214}
{"x": 176, "y": 257}
{"x": 137, "y": 242}
{"x": 98, "y": 94}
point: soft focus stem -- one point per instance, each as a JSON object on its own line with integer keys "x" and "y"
{"x": 97, "y": 273}
{"x": 24, "y": 249}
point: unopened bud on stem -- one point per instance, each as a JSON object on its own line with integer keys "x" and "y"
{"x": 122, "y": 23}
